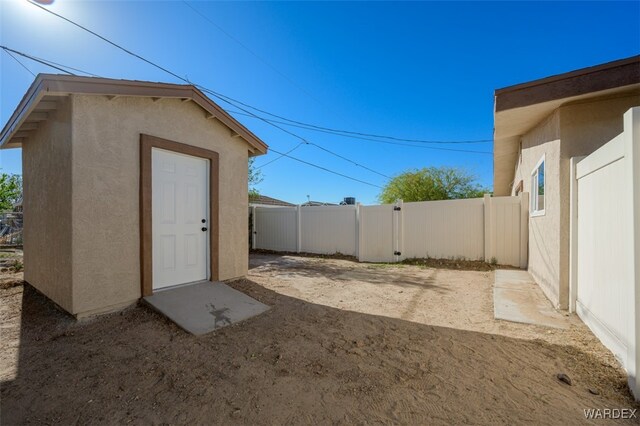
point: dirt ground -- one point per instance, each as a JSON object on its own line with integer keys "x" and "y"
{"x": 343, "y": 343}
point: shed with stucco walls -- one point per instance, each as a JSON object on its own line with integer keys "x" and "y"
{"x": 123, "y": 181}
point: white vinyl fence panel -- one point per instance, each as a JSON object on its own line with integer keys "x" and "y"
{"x": 605, "y": 257}
{"x": 444, "y": 229}
{"x": 506, "y": 230}
{"x": 604, "y": 296}
{"x": 329, "y": 229}
{"x": 276, "y": 228}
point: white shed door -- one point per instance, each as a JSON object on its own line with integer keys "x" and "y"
{"x": 180, "y": 218}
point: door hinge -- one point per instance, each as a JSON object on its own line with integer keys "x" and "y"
{"x": 397, "y": 253}
{"x": 397, "y": 208}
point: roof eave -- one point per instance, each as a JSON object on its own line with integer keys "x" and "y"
{"x": 59, "y": 85}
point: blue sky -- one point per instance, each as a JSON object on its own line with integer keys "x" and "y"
{"x": 414, "y": 70}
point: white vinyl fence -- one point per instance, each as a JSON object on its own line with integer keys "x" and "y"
{"x": 474, "y": 229}
{"x": 605, "y": 244}
{"x": 329, "y": 229}
{"x": 444, "y": 229}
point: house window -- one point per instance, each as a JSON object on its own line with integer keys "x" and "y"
{"x": 537, "y": 189}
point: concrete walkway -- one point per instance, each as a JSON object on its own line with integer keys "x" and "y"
{"x": 203, "y": 307}
{"x": 517, "y": 298}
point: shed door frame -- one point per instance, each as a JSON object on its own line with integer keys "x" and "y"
{"x": 147, "y": 143}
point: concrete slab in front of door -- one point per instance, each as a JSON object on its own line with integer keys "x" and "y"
{"x": 203, "y": 307}
{"x": 517, "y": 298}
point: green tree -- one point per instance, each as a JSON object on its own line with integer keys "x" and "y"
{"x": 10, "y": 190}
{"x": 431, "y": 183}
{"x": 255, "y": 177}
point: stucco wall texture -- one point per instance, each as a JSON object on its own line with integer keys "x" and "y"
{"x": 544, "y": 231}
{"x": 572, "y": 130}
{"x": 46, "y": 165}
{"x": 82, "y": 173}
{"x": 106, "y": 174}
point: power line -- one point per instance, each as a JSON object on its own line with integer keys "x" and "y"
{"x": 68, "y": 67}
{"x": 48, "y": 62}
{"x": 303, "y": 140}
{"x": 18, "y": 61}
{"x": 281, "y": 154}
{"x": 230, "y": 100}
{"x": 45, "y": 62}
{"x": 370, "y": 139}
{"x": 337, "y": 131}
{"x": 205, "y": 89}
{"x": 33, "y": 58}
{"x": 279, "y": 157}
{"x": 349, "y": 160}
{"x": 325, "y": 169}
{"x": 216, "y": 94}
{"x": 245, "y": 47}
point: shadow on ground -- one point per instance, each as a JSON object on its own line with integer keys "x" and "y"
{"x": 297, "y": 363}
{"x": 374, "y": 273}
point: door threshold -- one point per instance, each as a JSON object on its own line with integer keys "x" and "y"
{"x": 171, "y": 287}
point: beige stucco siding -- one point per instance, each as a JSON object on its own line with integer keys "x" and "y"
{"x": 571, "y": 130}
{"x": 106, "y": 174}
{"x": 544, "y": 230}
{"x": 584, "y": 127}
{"x": 46, "y": 166}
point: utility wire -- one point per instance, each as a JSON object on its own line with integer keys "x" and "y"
{"x": 281, "y": 154}
{"x": 303, "y": 140}
{"x": 47, "y": 62}
{"x": 245, "y": 47}
{"x": 337, "y": 131}
{"x": 33, "y": 58}
{"x": 422, "y": 146}
{"x": 230, "y": 100}
{"x": 205, "y": 89}
{"x": 19, "y": 62}
{"x": 325, "y": 169}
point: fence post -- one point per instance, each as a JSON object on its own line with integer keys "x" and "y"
{"x": 524, "y": 229}
{"x": 357, "y": 231}
{"x": 487, "y": 228}
{"x": 253, "y": 227}
{"x": 573, "y": 233}
{"x": 399, "y": 231}
{"x": 632, "y": 177}
{"x": 298, "y": 228}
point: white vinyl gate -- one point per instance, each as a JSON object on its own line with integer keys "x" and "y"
{"x": 605, "y": 244}
{"x": 379, "y": 233}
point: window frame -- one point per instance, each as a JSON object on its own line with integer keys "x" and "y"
{"x": 533, "y": 204}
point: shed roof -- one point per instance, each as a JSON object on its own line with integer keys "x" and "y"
{"x": 39, "y": 101}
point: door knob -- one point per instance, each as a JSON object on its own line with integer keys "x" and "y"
{"x": 204, "y": 229}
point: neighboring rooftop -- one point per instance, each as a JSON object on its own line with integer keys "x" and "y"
{"x": 41, "y": 99}
{"x": 268, "y": 201}
{"x": 317, "y": 203}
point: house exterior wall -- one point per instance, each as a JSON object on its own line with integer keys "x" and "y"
{"x": 571, "y": 130}
{"x": 106, "y": 176}
{"x": 584, "y": 128}
{"x": 46, "y": 168}
{"x": 544, "y": 230}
